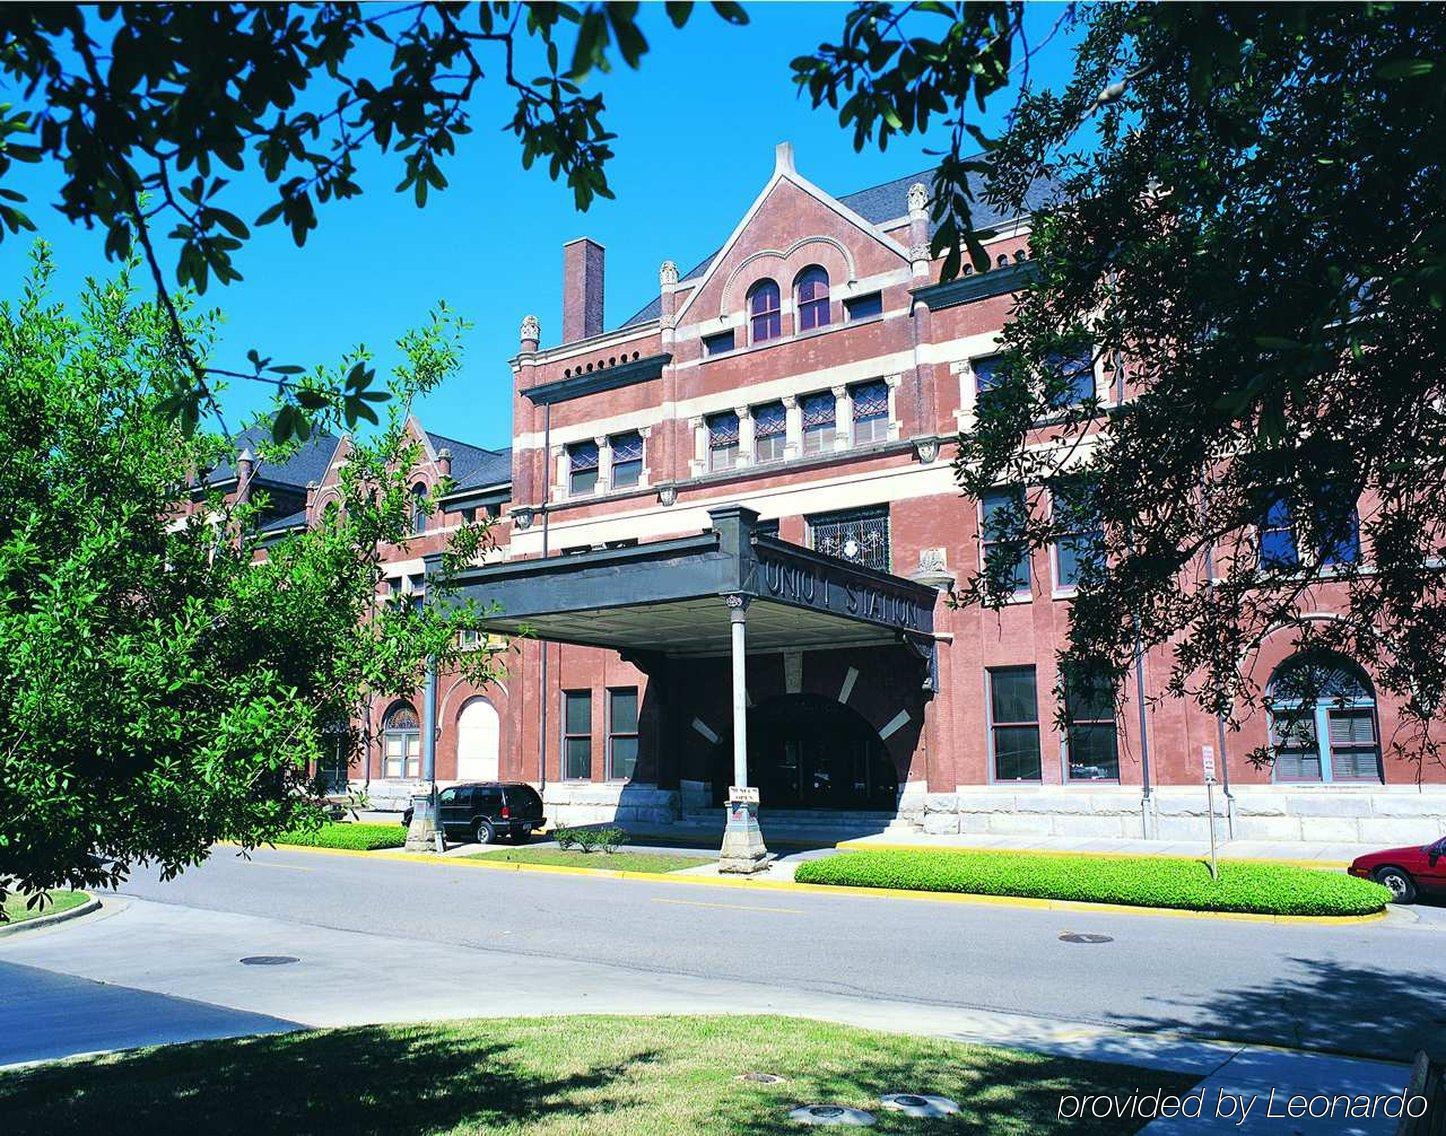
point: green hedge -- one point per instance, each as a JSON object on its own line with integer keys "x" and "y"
{"x": 355, "y": 835}
{"x": 1139, "y": 881}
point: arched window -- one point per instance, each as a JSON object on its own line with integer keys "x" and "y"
{"x": 765, "y": 317}
{"x": 401, "y": 742}
{"x": 812, "y": 291}
{"x": 419, "y": 507}
{"x": 1322, "y": 720}
{"x": 479, "y": 732}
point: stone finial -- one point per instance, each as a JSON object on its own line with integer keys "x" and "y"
{"x": 530, "y": 333}
{"x": 918, "y": 197}
{"x": 783, "y": 158}
{"x": 245, "y": 465}
{"x": 668, "y": 274}
{"x": 919, "y": 254}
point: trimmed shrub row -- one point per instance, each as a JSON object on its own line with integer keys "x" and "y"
{"x": 356, "y": 835}
{"x": 1138, "y": 881}
{"x": 609, "y": 838}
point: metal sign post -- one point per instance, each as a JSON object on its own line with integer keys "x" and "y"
{"x": 1207, "y": 765}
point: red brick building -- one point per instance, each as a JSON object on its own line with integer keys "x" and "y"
{"x": 811, "y": 372}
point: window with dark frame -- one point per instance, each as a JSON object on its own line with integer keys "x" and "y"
{"x": 419, "y": 507}
{"x": 812, "y": 291}
{"x": 860, "y": 535}
{"x": 719, "y": 343}
{"x": 871, "y": 412}
{"x": 990, "y": 376}
{"x": 1006, "y": 555}
{"x": 820, "y": 422}
{"x": 770, "y": 432}
{"x": 1072, "y": 377}
{"x": 1091, "y": 733}
{"x": 622, "y": 733}
{"x": 1079, "y": 549}
{"x": 864, "y": 307}
{"x": 627, "y": 469}
{"x": 577, "y": 735}
{"x": 722, "y": 440}
{"x": 1276, "y": 535}
{"x": 1014, "y": 723}
{"x": 582, "y": 464}
{"x": 765, "y": 313}
{"x": 1338, "y": 529}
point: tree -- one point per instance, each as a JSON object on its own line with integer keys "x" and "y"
{"x": 165, "y": 678}
{"x": 1247, "y": 233}
{"x": 153, "y": 109}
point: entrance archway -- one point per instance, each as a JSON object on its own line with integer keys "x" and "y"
{"x": 806, "y": 751}
{"x": 478, "y": 741}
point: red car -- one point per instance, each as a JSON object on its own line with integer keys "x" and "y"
{"x": 1407, "y": 872}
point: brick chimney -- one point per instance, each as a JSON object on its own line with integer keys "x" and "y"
{"x": 582, "y": 289}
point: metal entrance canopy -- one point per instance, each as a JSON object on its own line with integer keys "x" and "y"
{"x": 673, "y": 597}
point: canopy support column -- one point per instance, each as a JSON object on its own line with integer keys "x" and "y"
{"x": 743, "y": 851}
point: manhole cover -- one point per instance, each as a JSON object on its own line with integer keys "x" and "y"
{"x": 268, "y": 960}
{"x": 761, "y": 1078}
{"x": 919, "y": 1104}
{"x": 1084, "y": 937}
{"x": 832, "y": 1114}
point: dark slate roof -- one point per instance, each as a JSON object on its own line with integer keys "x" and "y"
{"x": 307, "y": 464}
{"x": 472, "y": 466}
{"x": 290, "y": 521}
{"x": 889, "y": 202}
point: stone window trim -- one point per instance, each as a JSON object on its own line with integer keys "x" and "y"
{"x": 562, "y": 457}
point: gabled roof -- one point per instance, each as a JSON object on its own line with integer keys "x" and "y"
{"x": 309, "y": 462}
{"x": 888, "y": 201}
{"x": 472, "y": 466}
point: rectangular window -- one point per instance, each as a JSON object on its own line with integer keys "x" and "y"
{"x": 871, "y": 412}
{"x": 1014, "y": 724}
{"x": 1354, "y": 753}
{"x": 581, "y": 468}
{"x": 1006, "y": 556}
{"x": 862, "y": 307}
{"x": 990, "y": 375}
{"x": 1297, "y": 748}
{"x": 819, "y": 422}
{"x": 1071, "y": 378}
{"x": 723, "y": 441}
{"x": 860, "y": 535}
{"x": 627, "y": 459}
{"x": 1338, "y": 528}
{"x": 1278, "y": 551}
{"x": 622, "y": 733}
{"x": 1079, "y": 548}
{"x": 577, "y": 734}
{"x": 1091, "y": 736}
{"x": 718, "y": 344}
{"x": 770, "y": 432}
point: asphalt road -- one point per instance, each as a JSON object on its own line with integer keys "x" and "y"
{"x": 1375, "y": 989}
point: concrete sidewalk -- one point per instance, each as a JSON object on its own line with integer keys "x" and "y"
{"x": 159, "y": 959}
{"x": 1298, "y": 852}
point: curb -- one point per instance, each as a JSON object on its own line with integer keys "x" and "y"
{"x": 830, "y": 889}
{"x": 42, "y": 921}
{"x": 856, "y": 845}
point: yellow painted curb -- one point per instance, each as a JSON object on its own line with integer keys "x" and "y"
{"x": 830, "y": 889}
{"x": 857, "y": 845}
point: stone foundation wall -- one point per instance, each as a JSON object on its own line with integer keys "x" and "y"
{"x": 582, "y": 802}
{"x": 1383, "y": 814}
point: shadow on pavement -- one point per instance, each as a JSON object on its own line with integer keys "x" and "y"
{"x": 1341, "y": 1007}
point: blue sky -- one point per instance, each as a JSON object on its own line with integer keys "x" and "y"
{"x": 696, "y": 130}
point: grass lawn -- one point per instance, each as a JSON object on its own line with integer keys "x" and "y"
{"x": 357, "y": 835}
{"x": 655, "y": 862}
{"x": 598, "y": 1076}
{"x": 1140, "y": 881}
{"x": 16, "y": 911}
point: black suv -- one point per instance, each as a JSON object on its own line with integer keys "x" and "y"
{"x": 484, "y": 810}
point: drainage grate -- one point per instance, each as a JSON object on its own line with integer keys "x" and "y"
{"x": 268, "y": 960}
{"x": 761, "y": 1078}
{"x": 1084, "y": 937}
{"x": 919, "y": 1104}
{"x": 832, "y": 1114}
